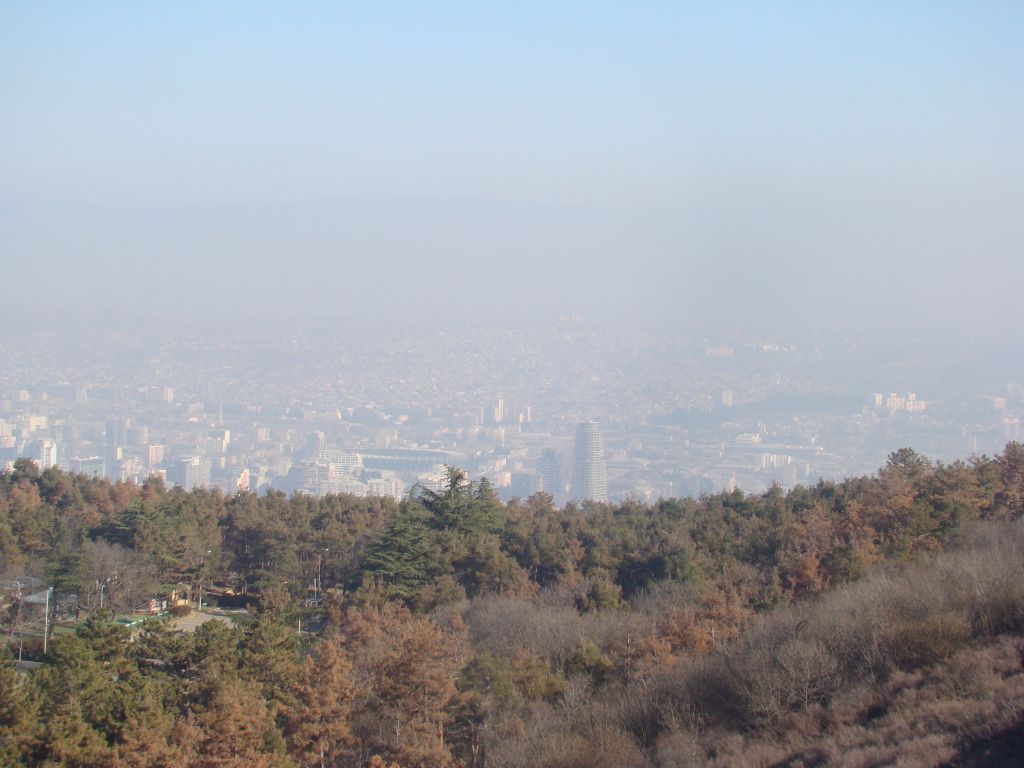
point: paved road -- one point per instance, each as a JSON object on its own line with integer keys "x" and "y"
{"x": 195, "y": 619}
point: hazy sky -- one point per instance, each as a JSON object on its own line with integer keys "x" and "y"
{"x": 758, "y": 164}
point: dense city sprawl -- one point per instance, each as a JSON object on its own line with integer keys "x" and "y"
{"x": 373, "y": 409}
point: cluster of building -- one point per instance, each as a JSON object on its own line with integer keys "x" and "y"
{"x": 124, "y": 452}
{"x": 578, "y": 414}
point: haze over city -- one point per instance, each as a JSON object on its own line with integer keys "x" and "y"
{"x": 734, "y": 166}
{"x": 451, "y": 228}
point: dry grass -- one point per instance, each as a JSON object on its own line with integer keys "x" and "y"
{"x": 920, "y": 667}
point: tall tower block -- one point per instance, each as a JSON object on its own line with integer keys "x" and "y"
{"x": 590, "y": 474}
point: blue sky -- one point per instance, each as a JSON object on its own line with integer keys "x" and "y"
{"x": 744, "y": 120}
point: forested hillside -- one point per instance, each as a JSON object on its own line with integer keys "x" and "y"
{"x": 857, "y": 623}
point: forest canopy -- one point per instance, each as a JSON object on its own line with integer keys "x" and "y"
{"x": 453, "y": 629}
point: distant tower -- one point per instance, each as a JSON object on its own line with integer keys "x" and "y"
{"x": 550, "y": 469}
{"x": 589, "y": 477}
{"x": 192, "y": 472}
{"x": 316, "y": 443}
{"x": 1012, "y": 424}
{"x": 117, "y": 431}
{"x": 46, "y": 453}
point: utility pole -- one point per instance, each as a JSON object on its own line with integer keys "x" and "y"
{"x": 319, "y": 579}
{"x": 16, "y": 614}
{"x": 46, "y": 620}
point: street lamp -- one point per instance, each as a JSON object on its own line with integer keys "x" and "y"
{"x": 202, "y": 562}
{"x": 319, "y": 576}
{"x": 103, "y": 586}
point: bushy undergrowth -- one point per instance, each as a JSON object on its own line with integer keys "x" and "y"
{"x": 915, "y": 666}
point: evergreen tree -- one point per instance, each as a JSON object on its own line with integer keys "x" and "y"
{"x": 17, "y": 718}
{"x": 405, "y": 556}
{"x": 463, "y": 507}
{"x": 268, "y": 654}
{"x": 235, "y": 729}
{"x": 323, "y": 695}
{"x": 69, "y": 741}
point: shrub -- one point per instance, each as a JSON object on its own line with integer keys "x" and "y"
{"x": 922, "y": 642}
{"x": 588, "y": 660}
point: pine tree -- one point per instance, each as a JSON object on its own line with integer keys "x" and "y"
{"x": 269, "y": 654}
{"x": 410, "y": 666}
{"x": 152, "y": 740}
{"x": 317, "y": 724}
{"x": 236, "y": 730}
{"x": 17, "y": 718}
{"x": 406, "y": 555}
{"x": 463, "y": 507}
{"x": 68, "y": 740}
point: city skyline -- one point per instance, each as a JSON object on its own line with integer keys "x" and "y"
{"x": 325, "y": 409}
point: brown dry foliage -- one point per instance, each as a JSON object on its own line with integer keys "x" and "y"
{"x": 909, "y": 667}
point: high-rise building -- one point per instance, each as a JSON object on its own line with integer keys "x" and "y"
{"x": 112, "y": 457}
{"x": 524, "y": 485}
{"x": 137, "y": 436}
{"x": 91, "y": 466}
{"x": 590, "y": 475}
{"x": 550, "y": 469}
{"x": 344, "y": 460}
{"x": 192, "y": 472}
{"x": 154, "y": 455}
{"x": 1012, "y": 424}
{"x": 218, "y": 440}
{"x": 45, "y": 452}
{"x": 315, "y": 444}
{"x": 117, "y": 431}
